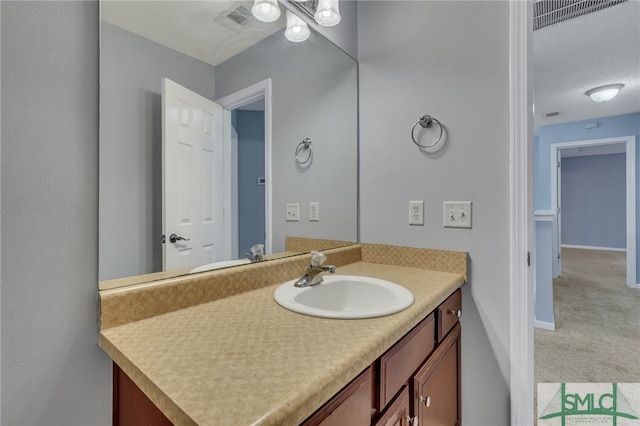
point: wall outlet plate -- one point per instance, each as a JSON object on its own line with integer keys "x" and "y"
{"x": 416, "y": 212}
{"x": 293, "y": 212}
{"x": 456, "y": 214}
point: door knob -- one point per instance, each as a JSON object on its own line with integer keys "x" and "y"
{"x": 175, "y": 238}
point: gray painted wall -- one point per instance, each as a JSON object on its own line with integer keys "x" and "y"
{"x": 53, "y": 372}
{"x": 315, "y": 96}
{"x": 594, "y": 201}
{"x": 450, "y": 60}
{"x": 131, "y": 71}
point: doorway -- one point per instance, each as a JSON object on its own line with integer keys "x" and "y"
{"x": 249, "y": 99}
{"x": 248, "y": 123}
{"x": 626, "y": 145}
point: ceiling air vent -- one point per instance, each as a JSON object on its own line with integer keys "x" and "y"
{"x": 240, "y": 15}
{"x": 553, "y": 114}
{"x": 235, "y": 18}
{"x": 550, "y": 12}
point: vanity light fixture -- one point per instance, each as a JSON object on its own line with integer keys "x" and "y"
{"x": 297, "y": 30}
{"x": 604, "y": 93}
{"x": 327, "y": 13}
{"x": 266, "y": 10}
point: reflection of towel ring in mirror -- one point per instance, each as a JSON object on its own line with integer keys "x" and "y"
{"x": 426, "y": 121}
{"x": 305, "y": 144}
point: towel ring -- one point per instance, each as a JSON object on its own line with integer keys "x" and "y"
{"x": 305, "y": 144}
{"x": 426, "y": 121}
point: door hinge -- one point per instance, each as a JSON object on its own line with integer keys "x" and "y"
{"x": 528, "y": 258}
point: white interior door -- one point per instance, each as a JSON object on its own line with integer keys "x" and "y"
{"x": 192, "y": 187}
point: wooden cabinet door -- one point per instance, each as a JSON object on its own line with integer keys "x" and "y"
{"x": 131, "y": 407}
{"x": 397, "y": 413}
{"x": 351, "y": 406}
{"x": 437, "y": 385}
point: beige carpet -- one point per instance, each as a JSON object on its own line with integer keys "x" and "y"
{"x": 597, "y": 336}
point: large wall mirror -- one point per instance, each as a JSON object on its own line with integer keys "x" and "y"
{"x": 202, "y": 111}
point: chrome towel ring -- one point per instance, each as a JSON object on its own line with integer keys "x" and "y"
{"x": 426, "y": 121}
{"x": 304, "y": 145}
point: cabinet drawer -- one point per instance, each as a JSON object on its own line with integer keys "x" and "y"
{"x": 399, "y": 362}
{"x": 448, "y": 314}
{"x": 350, "y": 406}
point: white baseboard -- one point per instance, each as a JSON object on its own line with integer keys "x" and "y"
{"x": 592, "y": 247}
{"x": 545, "y": 325}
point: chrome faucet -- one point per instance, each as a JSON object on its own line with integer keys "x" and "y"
{"x": 257, "y": 253}
{"x": 315, "y": 271}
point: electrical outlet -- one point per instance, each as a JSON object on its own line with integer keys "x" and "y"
{"x": 416, "y": 212}
{"x": 293, "y": 212}
{"x": 314, "y": 211}
{"x": 456, "y": 214}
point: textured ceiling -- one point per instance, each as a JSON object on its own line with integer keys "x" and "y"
{"x": 582, "y": 53}
{"x": 196, "y": 28}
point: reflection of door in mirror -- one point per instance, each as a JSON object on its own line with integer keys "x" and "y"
{"x": 248, "y": 123}
{"x": 248, "y": 145}
{"x": 192, "y": 185}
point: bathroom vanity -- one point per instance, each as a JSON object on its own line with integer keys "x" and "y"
{"x": 243, "y": 359}
{"x": 415, "y": 382}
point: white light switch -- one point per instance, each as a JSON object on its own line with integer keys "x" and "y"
{"x": 293, "y": 212}
{"x": 314, "y": 211}
{"x": 456, "y": 214}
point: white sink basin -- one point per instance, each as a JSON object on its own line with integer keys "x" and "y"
{"x": 345, "y": 297}
{"x": 219, "y": 265}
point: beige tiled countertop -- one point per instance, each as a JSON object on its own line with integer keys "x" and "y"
{"x": 245, "y": 360}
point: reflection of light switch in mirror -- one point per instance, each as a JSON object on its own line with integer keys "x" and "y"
{"x": 314, "y": 212}
{"x": 293, "y": 212}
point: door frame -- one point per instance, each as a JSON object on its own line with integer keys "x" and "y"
{"x": 261, "y": 89}
{"x": 521, "y": 381}
{"x": 630, "y": 159}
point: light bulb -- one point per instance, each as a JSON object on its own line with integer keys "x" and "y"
{"x": 297, "y": 30}
{"x": 604, "y": 93}
{"x": 266, "y": 10}
{"x": 327, "y": 13}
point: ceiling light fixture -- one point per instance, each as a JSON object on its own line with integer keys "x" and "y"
{"x": 327, "y": 13}
{"x": 266, "y": 10}
{"x": 604, "y": 93}
{"x": 297, "y": 30}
